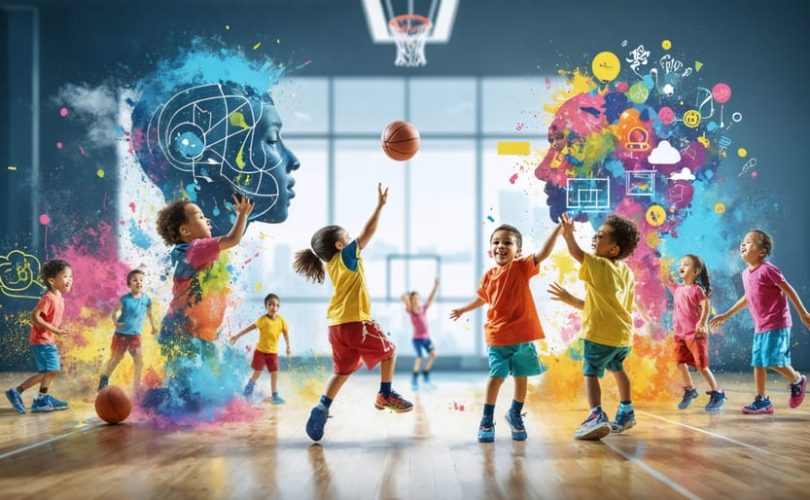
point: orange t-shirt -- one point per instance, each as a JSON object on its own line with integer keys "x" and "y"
{"x": 512, "y": 317}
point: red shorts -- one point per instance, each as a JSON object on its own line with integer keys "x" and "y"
{"x": 262, "y": 359}
{"x": 122, "y": 343}
{"x": 356, "y": 343}
{"x": 692, "y": 351}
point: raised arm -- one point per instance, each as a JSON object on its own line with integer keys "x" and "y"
{"x": 371, "y": 226}
{"x": 475, "y": 304}
{"x": 544, "y": 252}
{"x": 804, "y": 315}
{"x": 432, "y": 293}
{"x": 722, "y": 318}
{"x": 243, "y": 206}
{"x": 568, "y": 233}
{"x": 561, "y": 294}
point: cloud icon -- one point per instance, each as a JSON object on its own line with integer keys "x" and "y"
{"x": 684, "y": 175}
{"x": 664, "y": 154}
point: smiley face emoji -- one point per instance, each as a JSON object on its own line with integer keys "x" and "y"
{"x": 691, "y": 118}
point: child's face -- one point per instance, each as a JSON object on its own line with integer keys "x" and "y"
{"x": 750, "y": 249}
{"x": 687, "y": 271}
{"x": 136, "y": 283}
{"x": 272, "y": 306}
{"x": 503, "y": 247}
{"x": 603, "y": 244}
{"x": 63, "y": 281}
{"x": 414, "y": 301}
{"x": 196, "y": 225}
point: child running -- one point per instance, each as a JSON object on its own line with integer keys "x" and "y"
{"x": 270, "y": 326}
{"x": 354, "y": 336}
{"x": 607, "y": 322}
{"x": 421, "y": 336}
{"x": 46, "y": 319}
{"x": 766, "y": 295}
{"x": 690, "y": 319}
{"x": 512, "y": 325}
{"x": 128, "y": 316}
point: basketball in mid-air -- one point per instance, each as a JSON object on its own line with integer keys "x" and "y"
{"x": 400, "y": 140}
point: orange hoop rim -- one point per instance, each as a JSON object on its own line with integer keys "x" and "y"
{"x": 396, "y": 23}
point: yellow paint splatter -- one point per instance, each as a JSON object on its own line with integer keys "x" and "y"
{"x": 240, "y": 158}
{"x": 720, "y": 208}
{"x": 666, "y": 45}
{"x": 237, "y": 119}
{"x": 100, "y": 173}
{"x": 258, "y": 287}
{"x": 257, "y": 45}
{"x": 653, "y": 239}
{"x": 12, "y": 167}
{"x": 742, "y": 152}
{"x": 227, "y": 27}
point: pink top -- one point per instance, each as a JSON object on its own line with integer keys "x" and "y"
{"x": 687, "y": 309}
{"x": 767, "y": 303}
{"x": 419, "y": 320}
{"x": 51, "y": 308}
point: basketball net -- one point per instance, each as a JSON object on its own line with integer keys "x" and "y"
{"x": 410, "y": 33}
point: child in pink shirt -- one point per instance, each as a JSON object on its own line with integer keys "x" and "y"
{"x": 421, "y": 337}
{"x": 766, "y": 295}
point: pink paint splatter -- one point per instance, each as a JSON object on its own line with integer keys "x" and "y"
{"x": 63, "y": 112}
{"x": 81, "y": 150}
{"x": 132, "y": 206}
{"x": 44, "y": 219}
{"x": 59, "y": 145}
{"x": 513, "y": 178}
{"x": 548, "y": 83}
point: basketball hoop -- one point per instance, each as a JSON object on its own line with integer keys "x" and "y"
{"x": 410, "y": 32}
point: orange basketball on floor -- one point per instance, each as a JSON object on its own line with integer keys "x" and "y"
{"x": 112, "y": 404}
{"x": 400, "y": 140}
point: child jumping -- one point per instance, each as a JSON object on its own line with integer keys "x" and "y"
{"x": 133, "y": 308}
{"x": 354, "y": 336}
{"x": 766, "y": 295}
{"x": 46, "y": 319}
{"x": 421, "y": 336}
{"x": 607, "y": 322}
{"x": 270, "y": 326}
{"x": 690, "y": 319}
{"x": 512, "y": 325}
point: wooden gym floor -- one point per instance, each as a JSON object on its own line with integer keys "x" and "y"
{"x": 431, "y": 452}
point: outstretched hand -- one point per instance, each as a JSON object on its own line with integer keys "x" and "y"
{"x": 456, "y": 314}
{"x": 567, "y": 224}
{"x": 717, "y": 321}
{"x": 242, "y": 204}
{"x": 382, "y": 195}
{"x": 559, "y": 293}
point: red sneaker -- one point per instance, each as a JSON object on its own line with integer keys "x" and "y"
{"x": 797, "y": 392}
{"x": 393, "y": 402}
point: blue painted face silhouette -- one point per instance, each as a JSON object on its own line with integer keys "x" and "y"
{"x": 207, "y": 142}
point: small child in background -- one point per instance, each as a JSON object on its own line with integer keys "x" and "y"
{"x": 607, "y": 321}
{"x": 512, "y": 325}
{"x": 690, "y": 319}
{"x": 133, "y": 307}
{"x": 766, "y": 295}
{"x": 421, "y": 336}
{"x": 46, "y": 319}
{"x": 270, "y": 326}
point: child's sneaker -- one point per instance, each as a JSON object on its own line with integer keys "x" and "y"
{"x": 316, "y": 422}
{"x": 56, "y": 404}
{"x": 716, "y": 401}
{"x": 688, "y": 396}
{"x": 41, "y": 404}
{"x": 595, "y": 427}
{"x": 624, "y": 421}
{"x": 249, "y": 389}
{"x": 15, "y": 398}
{"x": 102, "y": 382}
{"x": 760, "y": 405}
{"x": 515, "y": 421}
{"x": 393, "y": 402}
{"x": 277, "y": 400}
{"x": 486, "y": 431}
{"x": 797, "y": 392}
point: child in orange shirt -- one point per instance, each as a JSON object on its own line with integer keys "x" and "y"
{"x": 512, "y": 324}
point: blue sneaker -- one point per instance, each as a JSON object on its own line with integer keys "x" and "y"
{"x": 102, "y": 382}
{"x": 42, "y": 404}
{"x": 688, "y": 396}
{"x": 759, "y": 406}
{"x": 249, "y": 389}
{"x": 624, "y": 421}
{"x": 277, "y": 400}
{"x": 16, "y": 401}
{"x": 56, "y": 404}
{"x": 515, "y": 421}
{"x": 316, "y": 422}
{"x": 716, "y": 401}
{"x": 486, "y": 431}
{"x": 594, "y": 428}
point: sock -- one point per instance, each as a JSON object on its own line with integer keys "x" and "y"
{"x": 489, "y": 412}
{"x": 426, "y": 375}
{"x": 798, "y": 378}
{"x": 43, "y": 390}
{"x": 385, "y": 389}
{"x": 625, "y": 406}
{"x": 19, "y": 389}
{"x": 415, "y": 377}
{"x": 517, "y": 407}
{"x": 326, "y": 402}
{"x": 275, "y": 394}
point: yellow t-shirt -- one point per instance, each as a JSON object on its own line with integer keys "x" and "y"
{"x": 609, "y": 301}
{"x": 269, "y": 331}
{"x": 350, "y": 301}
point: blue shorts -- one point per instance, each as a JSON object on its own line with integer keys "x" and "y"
{"x": 420, "y": 344}
{"x": 771, "y": 348}
{"x": 47, "y": 357}
{"x": 518, "y": 360}
{"x": 597, "y": 357}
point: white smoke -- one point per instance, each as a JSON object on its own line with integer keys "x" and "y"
{"x": 97, "y": 107}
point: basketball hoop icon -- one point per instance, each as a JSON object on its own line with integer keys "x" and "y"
{"x": 410, "y": 32}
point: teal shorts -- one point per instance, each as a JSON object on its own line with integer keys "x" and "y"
{"x": 597, "y": 357}
{"x": 771, "y": 348}
{"x": 518, "y": 360}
